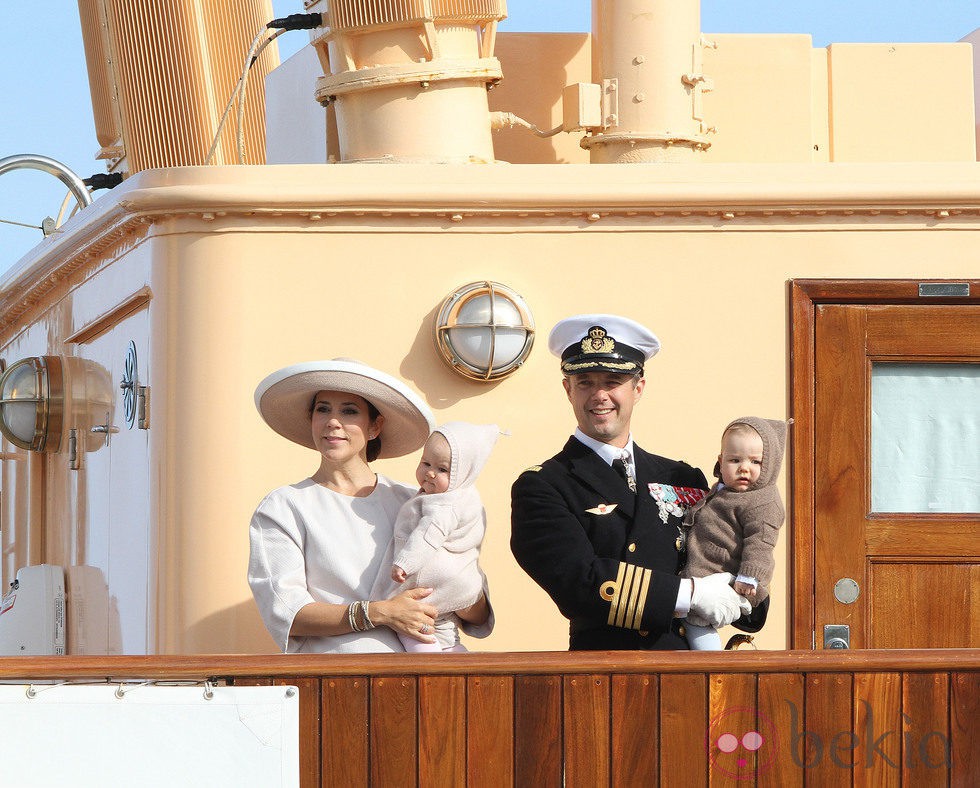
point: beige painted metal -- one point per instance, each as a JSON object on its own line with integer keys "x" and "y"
{"x": 872, "y": 130}
{"x": 821, "y": 114}
{"x": 973, "y": 39}
{"x": 408, "y": 79}
{"x": 647, "y": 56}
{"x": 162, "y": 72}
{"x": 180, "y": 261}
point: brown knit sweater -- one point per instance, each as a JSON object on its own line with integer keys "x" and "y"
{"x": 736, "y": 532}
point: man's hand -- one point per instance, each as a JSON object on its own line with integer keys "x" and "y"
{"x": 714, "y": 601}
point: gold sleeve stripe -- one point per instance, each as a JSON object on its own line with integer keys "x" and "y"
{"x": 627, "y": 595}
{"x": 638, "y": 620}
{"x": 624, "y": 595}
{"x": 634, "y": 597}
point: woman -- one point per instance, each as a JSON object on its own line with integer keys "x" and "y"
{"x": 321, "y": 549}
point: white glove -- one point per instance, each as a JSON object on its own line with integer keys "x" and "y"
{"x": 715, "y": 602}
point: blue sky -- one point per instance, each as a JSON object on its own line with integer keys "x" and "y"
{"x": 47, "y": 108}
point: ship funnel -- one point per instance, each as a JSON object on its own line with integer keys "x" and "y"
{"x": 408, "y": 78}
{"x": 646, "y": 58}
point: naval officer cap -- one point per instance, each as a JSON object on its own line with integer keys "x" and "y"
{"x": 606, "y": 343}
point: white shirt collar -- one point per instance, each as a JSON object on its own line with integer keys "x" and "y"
{"x": 607, "y": 451}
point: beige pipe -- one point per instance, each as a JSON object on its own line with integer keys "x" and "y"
{"x": 410, "y": 93}
{"x": 646, "y": 54}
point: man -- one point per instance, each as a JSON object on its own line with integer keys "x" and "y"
{"x": 606, "y": 543}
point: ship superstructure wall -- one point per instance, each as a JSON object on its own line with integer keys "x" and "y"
{"x": 218, "y": 276}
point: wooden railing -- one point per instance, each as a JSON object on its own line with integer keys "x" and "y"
{"x": 606, "y": 718}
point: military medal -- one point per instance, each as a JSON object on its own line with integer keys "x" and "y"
{"x": 674, "y": 500}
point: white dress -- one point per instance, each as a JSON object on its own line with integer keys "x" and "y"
{"x": 310, "y": 544}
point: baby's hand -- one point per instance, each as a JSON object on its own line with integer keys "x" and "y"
{"x": 398, "y": 574}
{"x": 744, "y": 589}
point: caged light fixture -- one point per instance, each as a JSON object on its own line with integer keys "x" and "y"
{"x": 484, "y": 331}
{"x": 32, "y": 403}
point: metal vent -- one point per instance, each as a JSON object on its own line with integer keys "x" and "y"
{"x": 359, "y": 15}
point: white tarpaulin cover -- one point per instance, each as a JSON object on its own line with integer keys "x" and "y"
{"x": 87, "y": 735}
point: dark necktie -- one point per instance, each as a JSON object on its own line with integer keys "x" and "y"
{"x": 619, "y": 465}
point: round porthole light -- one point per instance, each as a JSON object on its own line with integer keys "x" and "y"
{"x": 32, "y": 403}
{"x": 484, "y": 330}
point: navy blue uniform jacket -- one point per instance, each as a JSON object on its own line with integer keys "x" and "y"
{"x": 603, "y": 554}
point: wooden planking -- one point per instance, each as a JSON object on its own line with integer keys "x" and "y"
{"x": 587, "y": 740}
{"x": 925, "y": 734}
{"x": 683, "y": 726}
{"x": 344, "y": 739}
{"x": 877, "y": 722}
{"x": 931, "y": 536}
{"x": 442, "y": 731}
{"x": 309, "y": 728}
{"x": 871, "y": 291}
{"x": 538, "y": 731}
{"x": 826, "y": 745}
{"x": 964, "y": 728}
{"x": 635, "y": 718}
{"x": 393, "y": 730}
{"x": 490, "y": 731}
{"x": 951, "y": 621}
{"x": 941, "y": 331}
{"x": 841, "y": 414}
{"x": 799, "y": 467}
{"x": 780, "y": 698}
{"x": 550, "y": 663}
{"x": 733, "y": 717}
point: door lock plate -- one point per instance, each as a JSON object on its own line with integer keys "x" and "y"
{"x": 836, "y": 636}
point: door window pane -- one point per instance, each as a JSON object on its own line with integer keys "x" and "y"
{"x": 925, "y": 438}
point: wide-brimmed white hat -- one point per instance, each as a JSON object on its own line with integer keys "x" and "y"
{"x": 284, "y": 399}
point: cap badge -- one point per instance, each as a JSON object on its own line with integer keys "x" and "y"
{"x": 598, "y": 342}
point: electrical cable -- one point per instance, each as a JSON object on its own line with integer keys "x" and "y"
{"x": 259, "y": 43}
{"x": 250, "y": 58}
{"x": 508, "y": 120}
{"x": 297, "y": 22}
{"x": 103, "y": 180}
{"x": 252, "y": 55}
{"x": 21, "y": 224}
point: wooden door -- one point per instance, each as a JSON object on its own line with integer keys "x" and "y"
{"x": 898, "y": 575}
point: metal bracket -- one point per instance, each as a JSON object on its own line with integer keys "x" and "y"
{"x": 143, "y": 408}
{"x": 610, "y": 103}
{"x": 74, "y": 455}
{"x": 697, "y": 81}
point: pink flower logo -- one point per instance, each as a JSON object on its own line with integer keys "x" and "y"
{"x": 741, "y": 743}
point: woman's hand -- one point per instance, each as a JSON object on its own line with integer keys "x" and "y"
{"x": 477, "y": 613}
{"x": 407, "y": 614}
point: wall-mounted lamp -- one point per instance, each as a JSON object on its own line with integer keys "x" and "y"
{"x": 484, "y": 330}
{"x": 32, "y": 403}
